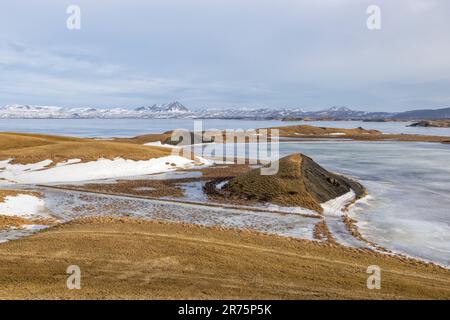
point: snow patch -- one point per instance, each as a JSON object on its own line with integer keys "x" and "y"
{"x": 94, "y": 170}
{"x": 336, "y": 134}
{"x": 34, "y": 227}
{"x": 159, "y": 144}
{"x": 22, "y": 205}
{"x": 335, "y": 206}
{"x": 220, "y": 185}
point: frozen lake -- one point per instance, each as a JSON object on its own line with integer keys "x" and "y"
{"x": 132, "y": 127}
{"x": 409, "y": 185}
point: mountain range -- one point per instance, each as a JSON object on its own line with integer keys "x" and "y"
{"x": 178, "y": 110}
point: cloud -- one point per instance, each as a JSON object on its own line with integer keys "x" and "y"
{"x": 219, "y": 53}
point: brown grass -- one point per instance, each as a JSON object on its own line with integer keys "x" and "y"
{"x": 26, "y": 149}
{"x": 360, "y": 134}
{"x": 299, "y": 182}
{"x": 144, "y": 188}
{"x": 321, "y": 232}
{"x": 17, "y": 222}
{"x": 136, "y": 259}
{"x": 286, "y": 188}
{"x": 164, "y": 138}
{"x": 13, "y": 193}
{"x": 295, "y": 131}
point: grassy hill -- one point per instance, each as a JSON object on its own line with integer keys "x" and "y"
{"x": 33, "y": 148}
{"x": 299, "y": 182}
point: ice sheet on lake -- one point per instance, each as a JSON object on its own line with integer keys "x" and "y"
{"x": 409, "y": 185}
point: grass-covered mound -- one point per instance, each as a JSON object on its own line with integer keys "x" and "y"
{"x": 300, "y": 182}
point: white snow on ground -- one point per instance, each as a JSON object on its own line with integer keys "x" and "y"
{"x": 220, "y": 185}
{"x": 204, "y": 161}
{"x": 70, "y": 161}
{"x": 100, "y": 169}
{"x": 34, "y": 227}
{"x": 6, "y": 166}
{"x": 334, "y": 206}
{"x": 333, "y": 212}
{"x": 22, "y": 205}
{"x": 336, "y": 134}
{"x": 159, "y": 144}
{"x": 295, "y": 210}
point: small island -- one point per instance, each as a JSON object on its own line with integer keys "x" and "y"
{"x": 299, "y": 182}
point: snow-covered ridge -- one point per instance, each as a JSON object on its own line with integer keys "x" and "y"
{"x": 53, "y": 112}
{"x": 177, "y": 110}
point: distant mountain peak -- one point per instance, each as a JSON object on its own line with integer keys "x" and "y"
{"x": 172, "y": 107}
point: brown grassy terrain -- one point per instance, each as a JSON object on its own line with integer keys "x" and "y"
{"x": 360, "y": 134}
{"x": 26, "y": 149}
{"x": 144, "y": 188}
{"x": 17, "y": 222}
{"x": 164, "y": 138}
{"x": 298, "y": 182}
{"x": 295, "y": 131}
{"x": 127, "y": 258}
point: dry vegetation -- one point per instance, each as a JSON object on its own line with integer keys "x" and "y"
{"x": 321, "y": 232}
{"x": 299, "y": 182}
{"x": 143, "y": 188}
{"x": 360, "y": 134}
{"x": 127, "y": 258}
{"x": 7, "y": 222}
{"x": 295, "y": 131}
{"x": 27, "y": 148}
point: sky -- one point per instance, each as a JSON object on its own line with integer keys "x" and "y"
{"x": 221, "y": 53}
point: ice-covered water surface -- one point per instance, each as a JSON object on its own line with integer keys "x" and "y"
{"x": 409, "y": 185}
{"x": 132, "y": 127}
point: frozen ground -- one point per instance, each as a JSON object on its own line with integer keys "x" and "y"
{"x": 66, "y": 205}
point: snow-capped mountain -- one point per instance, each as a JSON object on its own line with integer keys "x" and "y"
{"x": 248, "y": 113}
{"x": 168, "y": 110}
{"x": 177, "y": 110}
{"x": 173, "y": 107}
{"x": 344, "y": 113}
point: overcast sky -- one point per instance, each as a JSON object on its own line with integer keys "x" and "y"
{"x": 219, "y": 53}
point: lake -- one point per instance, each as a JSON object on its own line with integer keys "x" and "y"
{"x": 103, "y": 128}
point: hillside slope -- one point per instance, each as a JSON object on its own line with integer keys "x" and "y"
{"x": 136, "y": 259}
